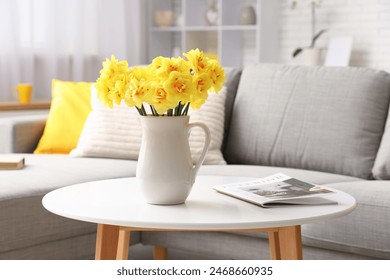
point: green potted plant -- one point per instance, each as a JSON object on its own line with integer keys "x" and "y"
{"x": 311, "y": 53}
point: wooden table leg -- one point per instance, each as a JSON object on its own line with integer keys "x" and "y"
{"x": 274, "y": 245}
{"x": 123, "y": 244}
{"x": 106, "y": 242}
{"x": 160, "y": 253}
{"x": 112, "y": 242}
{"x": 290, "y": 242}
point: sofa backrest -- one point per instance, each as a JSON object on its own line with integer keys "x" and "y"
{"x": 329, "y": 119}
{"x": 232, "y": 79}
{"x": 381, "y": 169}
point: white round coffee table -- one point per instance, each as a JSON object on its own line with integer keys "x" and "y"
{"x": 117, "y": 206}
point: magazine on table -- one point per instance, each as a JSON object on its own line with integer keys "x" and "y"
{"x": 276, "y": 190}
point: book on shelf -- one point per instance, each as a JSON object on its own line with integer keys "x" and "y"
{"x": 11, "y": 162}
{"x": 276, "y": 190}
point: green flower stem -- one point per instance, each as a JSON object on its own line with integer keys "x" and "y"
{"x": 170, "y": 112}
{"x": 178, "y": 109}
{"x": 185, "y": 112}
{"x": 139, "y": 111}
{"x": 154, "y": 112}
{"x": 143, "y": 110}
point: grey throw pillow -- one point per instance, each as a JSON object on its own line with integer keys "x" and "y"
{"x": 328, "y": 119}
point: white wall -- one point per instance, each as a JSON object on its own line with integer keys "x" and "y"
{"x": 367, "y": 21}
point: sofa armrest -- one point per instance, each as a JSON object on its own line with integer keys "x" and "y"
{"x": 21, "y": 134}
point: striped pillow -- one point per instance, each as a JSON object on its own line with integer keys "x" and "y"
{"x": 104, "y": 136}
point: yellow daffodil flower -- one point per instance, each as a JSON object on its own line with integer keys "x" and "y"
{"x": 112, "y": 81}
{"x": 168, "y": 85}
{"x": 179, "y": 86}
{"x": 217, "y": 75}
{"x": 197, "y": 60}
{"x": 161, "y": 100}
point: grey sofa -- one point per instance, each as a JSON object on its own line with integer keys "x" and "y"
{"x": 323, "y": 125}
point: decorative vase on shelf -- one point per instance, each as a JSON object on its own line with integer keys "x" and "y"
{"x": 163, "y": 18}
{"x": 165, "y": 170}
{"x": 211, "y": 14}
{"x": 247, "y": 15}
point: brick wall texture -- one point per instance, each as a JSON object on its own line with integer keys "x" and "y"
{"x": 366, "y": 21}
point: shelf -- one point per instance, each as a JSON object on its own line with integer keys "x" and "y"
{"x": 234, "y": 44}
{"x": 15, "y": 105}
{"x": 201, "y": 28}
{"x": 167, "y": 29}
{"x": 204, "y": 28}
{"x": 239, "y": 27}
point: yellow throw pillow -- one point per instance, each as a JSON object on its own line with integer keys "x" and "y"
{"x": 69, "y": 109}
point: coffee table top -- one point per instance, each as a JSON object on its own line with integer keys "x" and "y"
{"x": 120, "y": 202}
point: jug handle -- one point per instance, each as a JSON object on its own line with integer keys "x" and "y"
{"x": 205, "y": 147}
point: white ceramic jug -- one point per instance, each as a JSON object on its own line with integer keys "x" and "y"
{"x": 165, "y": 170}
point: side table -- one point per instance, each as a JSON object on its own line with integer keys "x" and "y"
{"x": 118, "y": 208}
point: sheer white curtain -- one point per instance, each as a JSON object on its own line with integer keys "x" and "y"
{"x": 65, "y": 39}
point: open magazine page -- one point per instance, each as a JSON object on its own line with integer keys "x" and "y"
{"x": 277, "y": 189}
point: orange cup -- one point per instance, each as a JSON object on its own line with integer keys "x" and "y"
{"x": 24, "y": 93}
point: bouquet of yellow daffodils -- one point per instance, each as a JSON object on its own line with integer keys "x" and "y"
{"x": 168, "y": 85}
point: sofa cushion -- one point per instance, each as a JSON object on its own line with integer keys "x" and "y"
{"x": 24, "y": 223}
{"x": 44, "y": 173}
{"x": 328, "y": 119}
{"x": 365, "y": 231}
{"x": 381, "y": 169}
{"x": 69, "y": 109}
{"x": 105, "y": 137}
{"x": 232, "y": 79}
{"x": 255, "y": 171}
{"x": 23, "y": 220}
{"x": 21, "y": 134}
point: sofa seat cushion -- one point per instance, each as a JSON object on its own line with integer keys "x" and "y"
{"x": 25, "y": 223}
{"x": 314, "y": 177}
{"x": 23, "y": 220}
{"x": 365, "y": 231}
{"x": 44, "y": 173}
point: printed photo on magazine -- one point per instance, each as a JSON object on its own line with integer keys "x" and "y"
{"x": 278, "y": 189}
